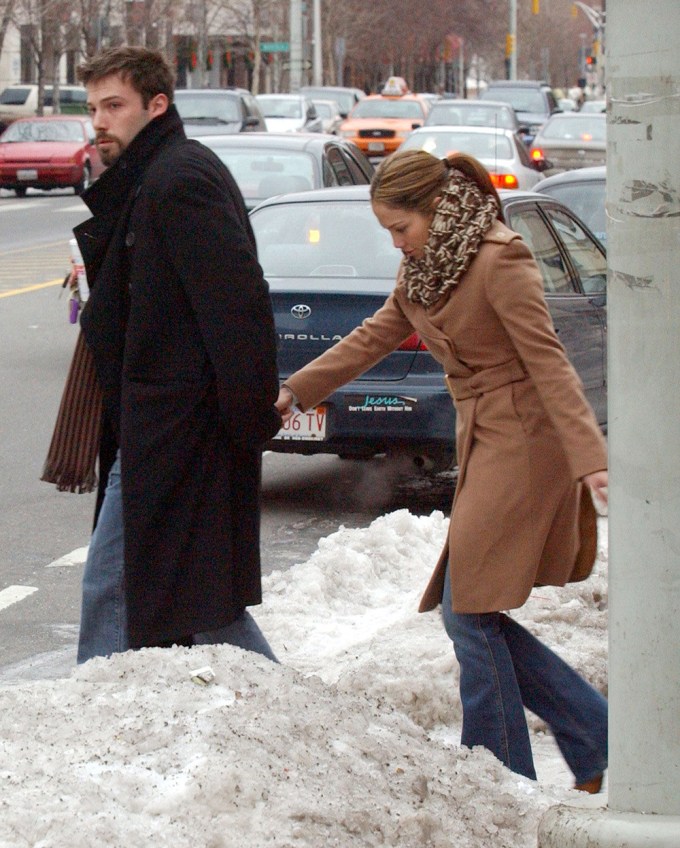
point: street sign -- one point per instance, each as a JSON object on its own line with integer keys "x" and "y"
{"x": 301, "y": 64}
{"x": 274, "y": 47}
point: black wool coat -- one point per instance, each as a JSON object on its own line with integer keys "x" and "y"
{"x": 180, "y": 323}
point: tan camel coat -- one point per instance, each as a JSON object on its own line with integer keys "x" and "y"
{"x": 525, "y": 433}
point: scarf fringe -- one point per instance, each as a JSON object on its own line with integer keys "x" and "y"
{"x": 72, "y": 456}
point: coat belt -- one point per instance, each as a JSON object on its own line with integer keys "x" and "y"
{"x": 461, "y": 388}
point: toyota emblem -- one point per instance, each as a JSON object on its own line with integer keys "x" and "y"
{"x": 301, "y": 311}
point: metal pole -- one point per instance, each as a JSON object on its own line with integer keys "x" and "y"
{"x": 295, "y": 45}
{"x": 318, "y": 60}
{"x": 512, "y": 41}
{"x": 643, "y": 255}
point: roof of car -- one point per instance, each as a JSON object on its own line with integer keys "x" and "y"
{"x": 597, "y": 172}
{"x": 273, "y": 140}
{"x": 362, "y": 192}
{"x": 211, "y": 91}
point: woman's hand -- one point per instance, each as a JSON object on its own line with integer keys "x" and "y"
{"x": 598, "y": 483}
{"x": 284, "y": 403}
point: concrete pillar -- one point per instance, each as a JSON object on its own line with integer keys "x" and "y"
{"x": 643, "y": 204}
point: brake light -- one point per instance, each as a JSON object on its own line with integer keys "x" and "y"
{"x": 537, "y": 154}
{"x": 413, "y": 342}
{"x": 504, "y": 180}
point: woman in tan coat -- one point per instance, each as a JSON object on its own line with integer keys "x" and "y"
{"x": 527, "y": 444}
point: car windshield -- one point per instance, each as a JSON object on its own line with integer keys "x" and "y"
{"x": 521, "y": 99}
{"x": 324, "y": 110}
{"x": 205, "y": 107}
{"x": 387, "y": 108}
{"x": 317, "y": 239}
{"x": 472, "y": 115}
{"x": 481, "y": 145}
{"x": 344, "y": 99}
{"x": 273, "y": 107}
{"x": 586, "y": 128}
{"x": 43, "y": 131}
{"x": 264, "y": 173}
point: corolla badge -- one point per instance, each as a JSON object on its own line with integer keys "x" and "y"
{"x": 301, "y": 311}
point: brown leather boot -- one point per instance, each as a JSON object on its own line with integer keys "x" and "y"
{"x": 592, "y": 786}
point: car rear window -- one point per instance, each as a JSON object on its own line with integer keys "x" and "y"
{"x": 324, "y": 240}
{"x": 197, "y": 107}
{"x": 521, "y": 99}
{"x": 407, "y": 109}
{"x": 474, "y": 115}
{"x": 480, "y": 145}
{"x": 44, "y": 131}
{"x": 14, "y": 96}
{"x": 264, "y": 173}
{"x": 589, "y": 127}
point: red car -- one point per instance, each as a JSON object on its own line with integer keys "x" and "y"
{"x": 56, "y": 151}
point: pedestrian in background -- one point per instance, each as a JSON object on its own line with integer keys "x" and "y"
{"x": 173, "y": 381}
{"x": 527, "y": 444}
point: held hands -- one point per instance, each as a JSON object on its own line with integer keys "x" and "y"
{"x": 285, "y": 403}
{"x": 598, "y": 483}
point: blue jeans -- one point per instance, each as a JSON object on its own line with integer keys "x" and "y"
{"x": 503, "y": 668}
{"x": 103, "y": 619}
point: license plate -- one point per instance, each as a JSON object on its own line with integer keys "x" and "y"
{"x": 27, "y": 174}
{"x": 376, "y": 146}
{"x": 305, "y": 426}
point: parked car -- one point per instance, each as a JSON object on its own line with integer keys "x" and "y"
{"x": 584, "y": 191}
{"x": 329, "y": 112}
{"x": 21, "y": 101}
{"x": 502, "y": 152}
{"x": 590, "y": 106}
{"x": 330, "y": 265}
{"x": 534, "y": 101}
{"x": 218, "y": 110}
{"x": 571, "y": 140}
{"x": 289, "y": 113}
{"x": 473, "y": 113}
{"x": 380, "y": 122}
{"x": 267, "y": 164}
{"x": 345, "y": 96}
{"x": 55, "y": 151}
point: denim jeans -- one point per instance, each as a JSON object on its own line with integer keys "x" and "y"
{"x": 503, "y": 668}
{"x": 103, "y": 619}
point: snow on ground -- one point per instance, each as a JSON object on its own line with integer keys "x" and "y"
{"x": 352, "y": 740}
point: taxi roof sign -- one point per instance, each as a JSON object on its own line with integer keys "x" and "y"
{"x": 395, "y": 87}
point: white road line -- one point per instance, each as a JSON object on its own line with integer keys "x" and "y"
{"x": 76, "y": 557}
{"x": 12, "y": 207}
{"x": 14, "y": 594}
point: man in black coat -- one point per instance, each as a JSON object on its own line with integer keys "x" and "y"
{"x": 180, "y": 329}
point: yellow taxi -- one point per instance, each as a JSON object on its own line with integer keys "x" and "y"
{"x": 379, "y": 123}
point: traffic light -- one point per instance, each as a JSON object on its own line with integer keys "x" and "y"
{"x": 591, "y": 61}
{"x": 535, "y": 7}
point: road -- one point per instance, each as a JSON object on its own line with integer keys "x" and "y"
{"x": 43, "y": 533}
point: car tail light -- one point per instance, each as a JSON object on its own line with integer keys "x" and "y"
{"x": 537, "y": 154}
{"x": 504, "y": 180}
{"x": 413, "y": 342}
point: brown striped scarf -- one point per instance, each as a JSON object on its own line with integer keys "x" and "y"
{"x": 463, "y": 216}
{"x": 72, "y": 456}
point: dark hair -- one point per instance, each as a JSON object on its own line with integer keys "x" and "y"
{"x": 412, "y": 179}
{"x": 147, "y": 70}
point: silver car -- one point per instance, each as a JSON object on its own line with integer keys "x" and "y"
{"x": 502, "y": 152}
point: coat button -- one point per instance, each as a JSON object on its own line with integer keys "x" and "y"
{"x": 129, "y": 239}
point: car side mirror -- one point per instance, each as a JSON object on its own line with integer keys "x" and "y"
{"x": 542, "y": 164}
{"x": 416, "y": 124}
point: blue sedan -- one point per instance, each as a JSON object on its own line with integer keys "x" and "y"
{"x": 330, "y": 265}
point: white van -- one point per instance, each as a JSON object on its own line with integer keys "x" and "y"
{"x": 21, "y": 101}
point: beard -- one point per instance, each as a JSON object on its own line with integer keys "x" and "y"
{"x": 112, "y": 152}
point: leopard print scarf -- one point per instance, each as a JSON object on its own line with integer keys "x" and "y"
{"x": 463, "y": 216}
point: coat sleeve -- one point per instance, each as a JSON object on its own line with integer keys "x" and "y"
{"x": 210, "y": 243}
{"x": 360, "y": 350}
{"x": 515, "y": 291}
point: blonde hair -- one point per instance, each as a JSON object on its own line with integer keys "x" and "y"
{"x": 412, "y": 179}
